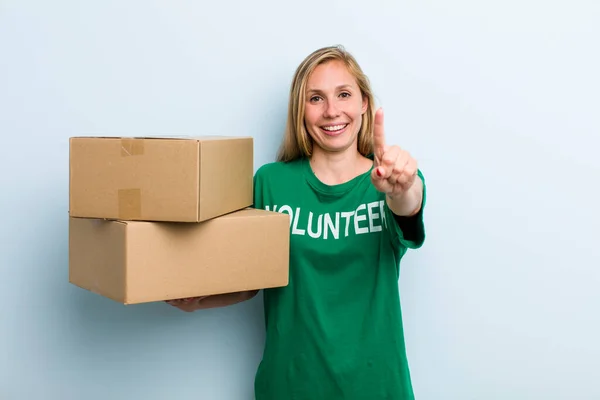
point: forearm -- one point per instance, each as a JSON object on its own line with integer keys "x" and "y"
{"x": 408, "y": 203}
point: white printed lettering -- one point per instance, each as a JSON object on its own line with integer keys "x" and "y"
{"x": 310, "y": 225}
{"x": 346, "y": 215}
{"x": 295, "y": 230}
{"x": 382, "y": 212}
{"x": 373, "y": 216}
{"x": 357, "y": 219}
{"x": 329, "y": 225}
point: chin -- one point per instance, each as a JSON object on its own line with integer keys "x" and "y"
{"x": 336, "y": 145}
{"x": 334, "y": 142}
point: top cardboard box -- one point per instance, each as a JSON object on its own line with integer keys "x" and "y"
{"x": 176, "y": 179}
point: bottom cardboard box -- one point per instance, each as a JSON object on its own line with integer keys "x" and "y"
{"x": 138, "y": 261}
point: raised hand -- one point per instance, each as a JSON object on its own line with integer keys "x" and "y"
{"x": 394, "y": 169}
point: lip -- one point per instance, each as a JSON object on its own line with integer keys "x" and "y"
{"x": 334, "y": 133}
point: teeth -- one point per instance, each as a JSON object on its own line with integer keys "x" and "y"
{"x": 334, "y": 128}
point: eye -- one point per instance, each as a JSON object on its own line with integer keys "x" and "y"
{"x": 314, "y": 99}
{"x": 344, "y": 94}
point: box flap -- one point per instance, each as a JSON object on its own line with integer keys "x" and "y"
{"x": 200, "y": 138}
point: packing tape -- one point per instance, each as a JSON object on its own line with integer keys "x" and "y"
{"x": 130, "y": 204}
{"x": 132, "y": 147}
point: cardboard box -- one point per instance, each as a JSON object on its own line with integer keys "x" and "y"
{"x": 160, "y": 179}
{"x": 138, "y": 261}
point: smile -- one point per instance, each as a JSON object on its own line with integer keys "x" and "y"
{"x": 334, "y": 128}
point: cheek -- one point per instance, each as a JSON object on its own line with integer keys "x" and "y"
{"x": 354, "y": 110}
{"x": 358, "y": 123}
{"x": 310, "y": 116}
{"x": 359, "y": 109}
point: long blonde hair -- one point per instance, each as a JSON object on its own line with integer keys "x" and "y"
{"x": 297, "y": 143}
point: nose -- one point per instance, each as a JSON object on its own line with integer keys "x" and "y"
{"x": 331, "y": 110}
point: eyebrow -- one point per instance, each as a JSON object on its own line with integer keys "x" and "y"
{"x": 346, "y": 86}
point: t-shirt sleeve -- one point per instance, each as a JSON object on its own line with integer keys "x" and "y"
{"x": 408, "y": 231}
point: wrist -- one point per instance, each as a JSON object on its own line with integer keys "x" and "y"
{"x": 408, "y": 202}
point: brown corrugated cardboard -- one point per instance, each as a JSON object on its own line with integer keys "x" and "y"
{"x": 158, "y": 178}
{"x": 138, "y": 261}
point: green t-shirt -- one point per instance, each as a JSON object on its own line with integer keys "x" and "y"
{"x": 335, "y": 332}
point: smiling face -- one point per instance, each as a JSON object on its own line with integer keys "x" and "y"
{"x": 334, "y": 108}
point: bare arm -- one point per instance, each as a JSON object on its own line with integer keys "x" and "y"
{"x": 395, "y": 173}
{"x": 408, "y": 203}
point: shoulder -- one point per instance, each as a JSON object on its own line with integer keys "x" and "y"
{"x": 277, "y": 169}
{"x": 275, "y": 179}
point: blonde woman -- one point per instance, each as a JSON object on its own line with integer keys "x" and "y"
{"x": 356, "y": 207}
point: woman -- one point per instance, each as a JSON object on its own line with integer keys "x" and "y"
{"x": 356, "y": 206}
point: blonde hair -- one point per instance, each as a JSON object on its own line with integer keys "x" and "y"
{"x": 297, "y": 143}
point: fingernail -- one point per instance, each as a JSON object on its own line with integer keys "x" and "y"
{"x": 379, "y": 172}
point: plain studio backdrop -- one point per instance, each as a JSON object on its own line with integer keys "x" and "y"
{"x": 498, "y": 100}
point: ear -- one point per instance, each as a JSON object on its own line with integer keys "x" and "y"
{"x": 365, "y": 104}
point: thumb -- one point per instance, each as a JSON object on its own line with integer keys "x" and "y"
{"x": 378, "y": 173}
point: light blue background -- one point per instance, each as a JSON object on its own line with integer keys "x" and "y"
{"x": 498, "y": 100}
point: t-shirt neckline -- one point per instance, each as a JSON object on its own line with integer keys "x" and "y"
{"x": 324, "y": 188}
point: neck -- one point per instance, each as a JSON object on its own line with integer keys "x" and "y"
{"x": 337, "y": 168}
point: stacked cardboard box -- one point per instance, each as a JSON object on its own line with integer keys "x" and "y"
{"x": 153, "y": 219}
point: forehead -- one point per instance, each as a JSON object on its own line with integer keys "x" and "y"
{"x": 330, "y": 75}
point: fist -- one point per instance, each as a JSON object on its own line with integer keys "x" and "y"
{"x": 394, "y": 169}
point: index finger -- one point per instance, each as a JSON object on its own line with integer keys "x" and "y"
{"x": 378, "y": 134}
